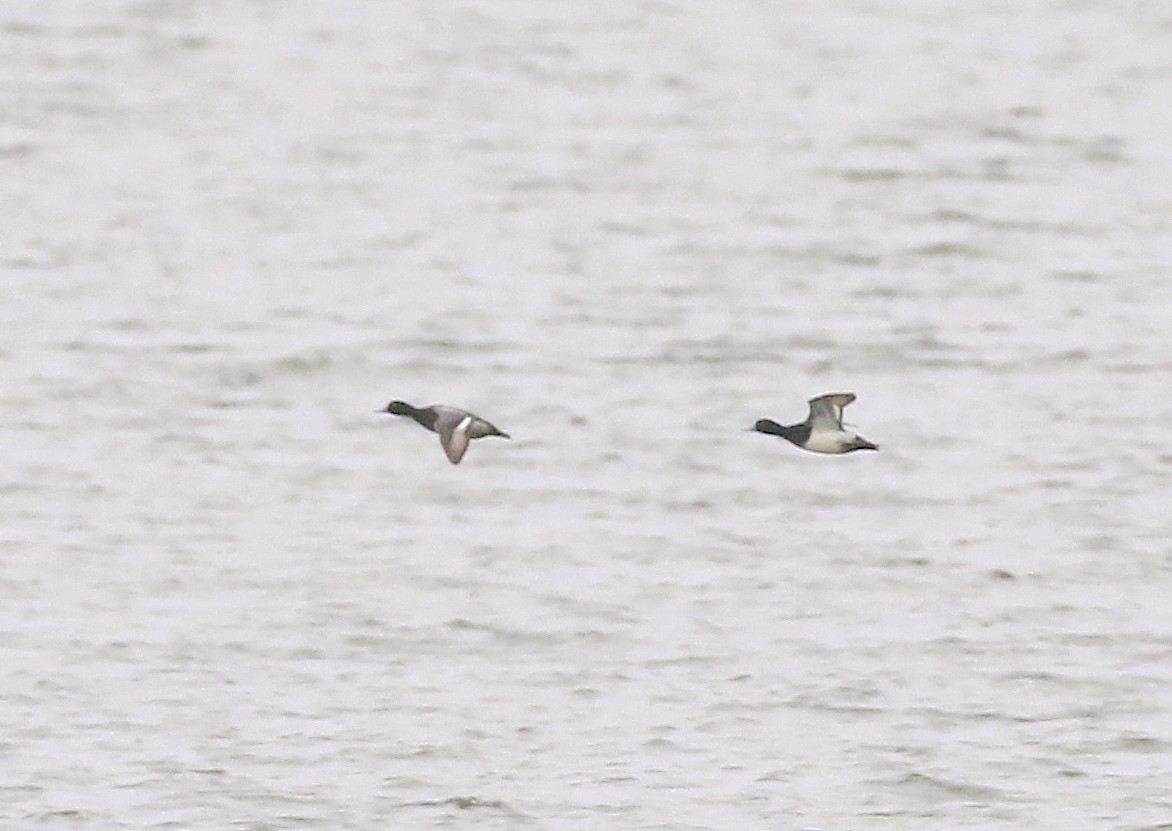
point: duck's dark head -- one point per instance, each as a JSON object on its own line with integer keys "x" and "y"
{"x": 398, "y": 408}
{"x": 765, "y": 425}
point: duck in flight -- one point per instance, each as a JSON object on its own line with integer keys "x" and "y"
{"x": 455, "y": 427}
{"x": 822, "y": 431}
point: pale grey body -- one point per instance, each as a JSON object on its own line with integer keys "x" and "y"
{"x": 822, "y": 431}
{"x": 455, "y": 427}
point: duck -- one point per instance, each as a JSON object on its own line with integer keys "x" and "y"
{"x": 822, "y": 431}
{"x": 455, "y": 427}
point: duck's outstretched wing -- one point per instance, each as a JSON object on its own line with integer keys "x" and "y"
{"x": 454, "y": 437}
{"x": 826, "y": 410}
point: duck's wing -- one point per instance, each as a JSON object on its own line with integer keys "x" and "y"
{"x": 826, "y": 410}
{"x": 454, "y": 437}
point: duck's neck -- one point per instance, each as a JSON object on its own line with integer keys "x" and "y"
{"x": 424, "y": 416}
{"x": 797, "y": 434}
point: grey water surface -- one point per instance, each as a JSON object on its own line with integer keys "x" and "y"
{"x": 234, "y": 597}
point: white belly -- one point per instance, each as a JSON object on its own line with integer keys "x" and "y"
{"x": 824, "y": 442}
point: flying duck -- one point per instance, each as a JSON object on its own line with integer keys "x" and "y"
{"x": 822, "y": 431}
{"x": 454, "y": 426}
